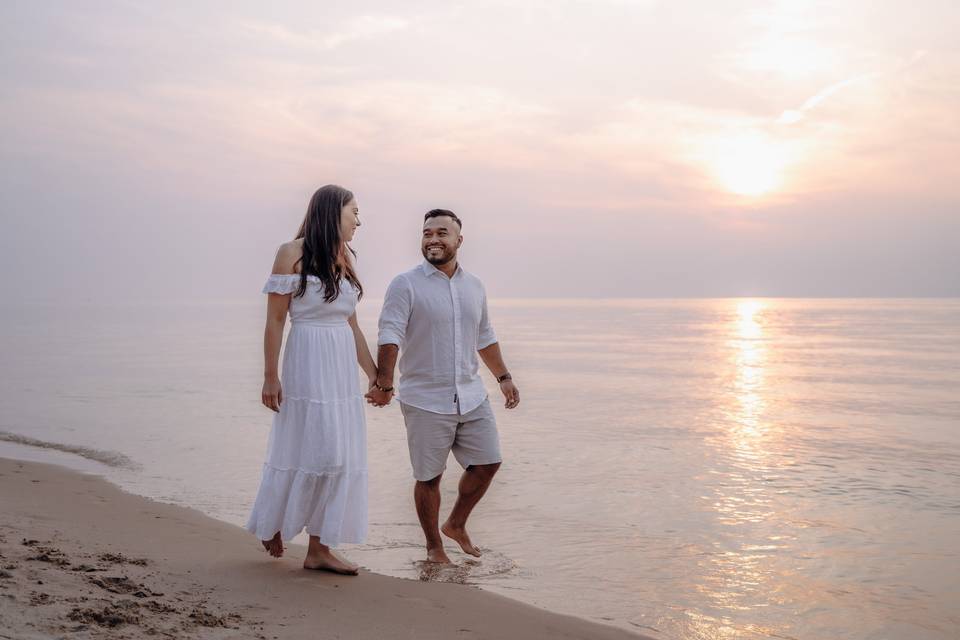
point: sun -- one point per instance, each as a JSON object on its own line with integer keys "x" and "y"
{"x": 747, "y": 164}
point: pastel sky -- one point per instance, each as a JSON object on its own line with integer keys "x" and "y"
{"x": 602, "y": 148}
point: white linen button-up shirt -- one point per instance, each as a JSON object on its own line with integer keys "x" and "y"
{"x": 439, "y": 323}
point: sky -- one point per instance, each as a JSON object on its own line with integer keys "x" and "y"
{"x": 610, "y": 148}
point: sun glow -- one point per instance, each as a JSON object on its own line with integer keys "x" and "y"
{"x": 747, "y": 164}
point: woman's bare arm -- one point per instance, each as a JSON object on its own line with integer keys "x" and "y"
{"x": 363, "y": 352}
{"x": 277, "y": 306}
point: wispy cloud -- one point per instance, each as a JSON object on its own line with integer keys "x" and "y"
{"x": 792, "y": 116}
{"x": 359, "y": 28}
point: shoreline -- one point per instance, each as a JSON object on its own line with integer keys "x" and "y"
{"x": 80, "y": 556}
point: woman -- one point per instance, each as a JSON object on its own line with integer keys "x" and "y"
{"x": 315, "y": 476}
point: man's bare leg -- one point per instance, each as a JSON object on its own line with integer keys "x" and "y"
{"x": 473, "y": 484}
{"x": 427, "y": 496}
{"x": 274, "y": 545}
{"x": 322, "y": 558}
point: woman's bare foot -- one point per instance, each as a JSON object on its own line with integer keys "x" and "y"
{"x": 330, "y": 562}
{"x": 459, "y": 534}
{"x": 320, "y": 557}
{"x": 274, "y": 546}
{"x": 438, "y": 555}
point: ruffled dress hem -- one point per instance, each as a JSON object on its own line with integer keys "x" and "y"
{"x": 324, "y": 503}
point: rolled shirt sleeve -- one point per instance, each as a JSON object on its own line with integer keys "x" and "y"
{"x": 485, "y": 334}
{"x": 397, "y": 305}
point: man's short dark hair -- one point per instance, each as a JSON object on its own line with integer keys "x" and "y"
{"x": 436, "y": 213}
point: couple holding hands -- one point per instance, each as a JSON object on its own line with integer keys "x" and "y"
{"x": 435, "y": 319}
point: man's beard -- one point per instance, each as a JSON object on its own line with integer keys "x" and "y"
{"x": 444, "y": 257}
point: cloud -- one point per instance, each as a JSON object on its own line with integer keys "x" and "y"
{"x": 792, "y": 116}
{"x": 360, "y": 28}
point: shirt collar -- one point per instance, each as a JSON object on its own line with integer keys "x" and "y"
{"x": 428, "y": 269}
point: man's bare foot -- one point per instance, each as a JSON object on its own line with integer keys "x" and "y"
{"x": 438, "y": 555}
{"x": 274, "y": 546}
{"x": 461, "y": 538}
{"x": 330, "y": 562}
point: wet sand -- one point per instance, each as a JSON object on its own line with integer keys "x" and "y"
{"x": 81, "y": 558}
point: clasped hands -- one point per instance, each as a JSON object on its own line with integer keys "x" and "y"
{"x": 379, "y": 398}
{"x": 376, "y": 397}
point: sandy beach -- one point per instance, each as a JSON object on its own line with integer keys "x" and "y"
{"x": 81, "y": 558}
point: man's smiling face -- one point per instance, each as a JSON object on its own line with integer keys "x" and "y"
{"x": 441, "y": 239}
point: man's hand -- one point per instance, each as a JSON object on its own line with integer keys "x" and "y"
{"x": 511, "y": 393}
{"x": 272, "y": 395}
{"x": 378, "y": 398}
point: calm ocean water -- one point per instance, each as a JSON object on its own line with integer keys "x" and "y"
{"x": 687, "y": 469}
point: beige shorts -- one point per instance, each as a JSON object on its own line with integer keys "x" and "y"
{"x": 432, "y": 436}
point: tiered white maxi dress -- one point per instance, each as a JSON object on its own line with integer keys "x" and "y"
{"x": 315, "y": 475}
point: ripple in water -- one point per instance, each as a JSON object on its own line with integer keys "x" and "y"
{"x": 469, "y": 571}
{"x": 109, "y": 458}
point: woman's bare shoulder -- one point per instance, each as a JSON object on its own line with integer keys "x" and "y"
{"x": 288, "y": 257}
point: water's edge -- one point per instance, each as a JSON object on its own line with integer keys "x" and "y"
{"x": 99, "y": 463}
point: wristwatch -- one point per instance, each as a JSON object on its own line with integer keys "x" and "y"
{"x": 384, "y": 389}
{"x": 505, "y": 376}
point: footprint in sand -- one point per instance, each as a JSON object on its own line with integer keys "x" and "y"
{"x": 122, "y": 585}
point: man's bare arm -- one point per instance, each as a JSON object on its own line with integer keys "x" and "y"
{"x": 386, "y": 363}
{"x": 493, "y": 358}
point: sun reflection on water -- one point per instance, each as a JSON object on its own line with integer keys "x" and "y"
{"x": 750, "y": 354}
{"x": 739, "y": 571}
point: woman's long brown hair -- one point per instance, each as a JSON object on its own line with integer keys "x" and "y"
{"x": 322, "y": 243}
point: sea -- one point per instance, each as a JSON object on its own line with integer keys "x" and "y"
{"x": 686, "y": 469}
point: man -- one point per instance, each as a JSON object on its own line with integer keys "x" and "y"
{"x": 436, "y": 314}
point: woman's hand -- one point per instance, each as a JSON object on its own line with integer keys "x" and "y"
{"x": 376, "y": 397}
{"x": 272, "y": 394}
{"x": 379, "y": 398}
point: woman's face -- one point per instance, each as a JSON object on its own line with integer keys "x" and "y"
{"x": 349, "y": 220}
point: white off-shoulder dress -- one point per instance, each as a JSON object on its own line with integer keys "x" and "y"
{"x": 315, "y": 475}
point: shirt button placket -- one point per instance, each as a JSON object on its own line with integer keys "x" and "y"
{"x": 456, "y": 337}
